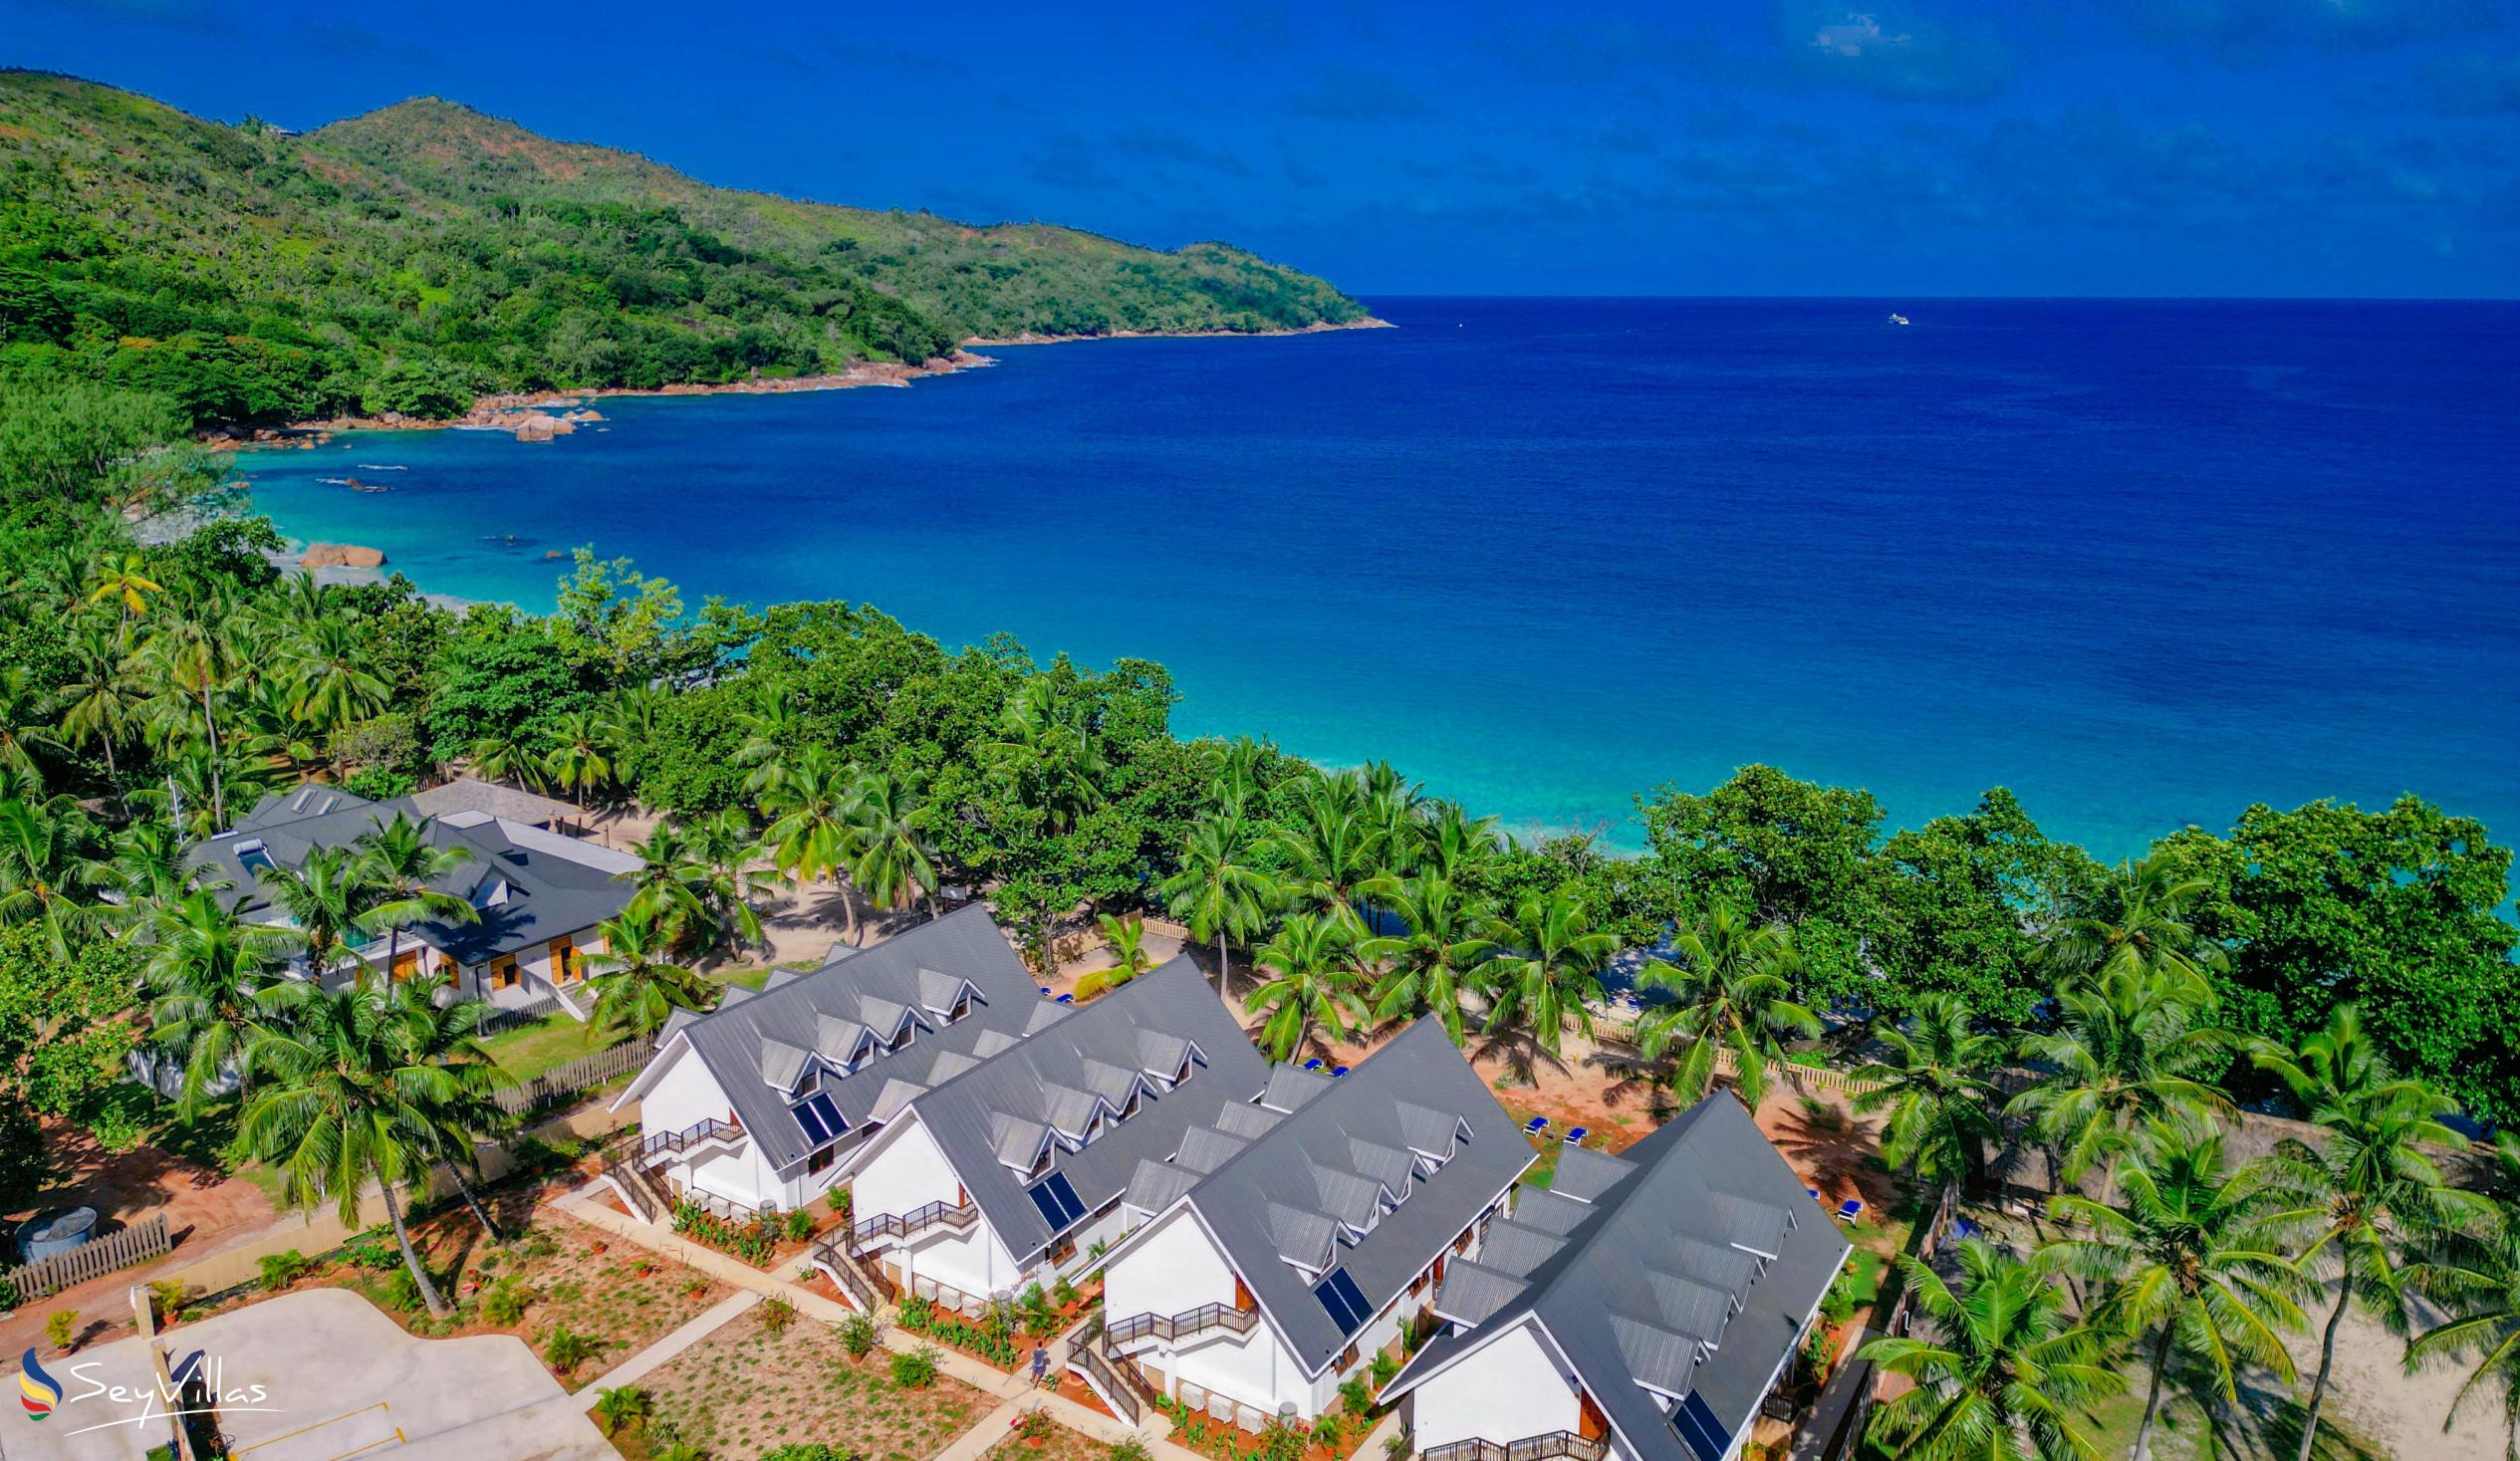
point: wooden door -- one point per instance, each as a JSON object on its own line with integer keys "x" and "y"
{"x": 1592, "y": 1425}
{"x": 405, "y": 964}
{"x": 564, "y": 961}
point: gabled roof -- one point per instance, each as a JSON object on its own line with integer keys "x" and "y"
{"x": 1644, "y": 1274}
{"x": 1312, "y": 1192}
{"x": 992, "y": 1120}
{"x": 855, "y": 1003}
{"x": 553, "y": 885}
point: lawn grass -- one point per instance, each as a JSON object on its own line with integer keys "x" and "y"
{"x": 748, "y": 1387}
{"x": 530, "y": 1050}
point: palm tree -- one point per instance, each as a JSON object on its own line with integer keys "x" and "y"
{"x": 43, "y": 862}
{"x": 1730, "y": 993}
{"x": 1333, "y": 851}
{"x": 1934, "y": 1084}
{"x": 1218, "y": 889}
{"x": 507, "y": 756}
{"x": 145, "y": 868}
{"x": 124, "y": 582}
{"x": 100, "y": 697}
{"x": 2007, "y": 1376}
{"x": 1046, "y": 753}
{"x": 198, "y": 648}
{"x": 327, "y": 896}
{"x": 209, "y": 976}
{"x": 814, "y": 835}
{"x": 329, "y": 683}
{"x": 1430, "y": 966}
{"x": 896, "y": 863}
{"x": 2374, "y": 1185}
{"x": 1454, "y": 845}
{"x": 1127, "y": 938}
{"x": 637, "y": 989}
{"x": 2126, "y": 1051}
{"x": 27, "y": 711}
{"x": 1237, "y": 779}
{"x": 1315, "y": 984}
{"x": 366, "y": 1086}
{"x": 1547, "y": 972}
{"x": 2473, "y": 1277}
{"x": 2145, "y": 932}
{"x": 579, "y": 759}
{"x": 769, "y": 731}
{"x": 2195, "y": 1258}
{"x": 404, "y": 866}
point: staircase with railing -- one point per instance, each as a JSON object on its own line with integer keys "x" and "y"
{"x": 707, "y": 1129}
{"x": 1557, "y": 1443}
{"x": 899, "y": 1225}
{"x": 844, "y": 1272}
{"x": 1116, "y": 1380}
{"x": 1171, "y": 1326}
{"x": 648, "y": 1200}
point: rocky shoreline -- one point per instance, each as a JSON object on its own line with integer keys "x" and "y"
{"x": 529, "y": 413}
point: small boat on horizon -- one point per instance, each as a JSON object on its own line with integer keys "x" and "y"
{"x": 1898, "y": 318}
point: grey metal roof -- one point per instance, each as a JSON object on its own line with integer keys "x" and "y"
{"x": 1297, "y": 1193}
{"x": 741, "y": 1040}
{"x": 1036, "y": 1084}
{"x": 556, "y": 886}
{"x": 1650, "y": 1286}
{"x": 466, "y": 794}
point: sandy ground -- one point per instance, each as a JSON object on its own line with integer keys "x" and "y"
{"x": 2391, "y": 1407}
{"x": 206, "y": 1210}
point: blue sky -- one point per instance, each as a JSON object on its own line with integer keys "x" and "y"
{"x": 1759, "y": 147}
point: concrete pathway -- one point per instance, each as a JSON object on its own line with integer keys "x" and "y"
{"x": 1017, "y": 1391}
{"x": 655, "y": 1354}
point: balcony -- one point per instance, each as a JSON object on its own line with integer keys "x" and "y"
{"x": 899, "y": 1225}
{"x": 707, "y": 1129}
{"x": 1556, "y": 1443}
{"x": 1174, "y": 1326}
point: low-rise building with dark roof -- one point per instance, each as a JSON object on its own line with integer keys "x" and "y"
{"x": 1013, "y": 1170}
{"x": 1642, "y": 1306}
{"x": 537, "y": 896}
{"x": 1281, "y": 1243}
{"x": 767, "y": 1100}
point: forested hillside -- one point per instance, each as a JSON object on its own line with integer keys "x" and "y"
{"x": 407, "y": 258}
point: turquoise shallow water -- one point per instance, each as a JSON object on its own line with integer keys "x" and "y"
{"x": 2143, "y": 563}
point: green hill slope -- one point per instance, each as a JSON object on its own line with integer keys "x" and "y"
{"x": 408, "y": 258}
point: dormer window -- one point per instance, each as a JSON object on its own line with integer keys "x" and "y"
{"x": 809, "y": 1083}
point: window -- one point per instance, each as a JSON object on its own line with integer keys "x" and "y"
{"x": 1057, "y": 1198}
{"x": 809, "y": 1083}
{"x": 820, "y": 1161}
{"x": 503, "y": 972}
{"x": 1340, "y": 1294}
{"x": 819, "y": 1119}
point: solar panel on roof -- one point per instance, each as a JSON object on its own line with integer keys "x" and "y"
{"x": 1340, "y": 1294}
{"x": 1057, "y": 1198}
{"x": 819, "y": 1119}
{"x": 1697, "y": 1424}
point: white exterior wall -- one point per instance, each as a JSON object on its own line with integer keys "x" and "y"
{"x": 909, "y": 1173}
{"x": 682, "y": 1095}
{"x": 1505, "y": 1390}
{"x": 1172, "y": 1269}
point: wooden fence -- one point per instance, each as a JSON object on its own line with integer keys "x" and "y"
{"x": 143, "y": 1242}
{"x": 495, "y": 1018}
{"x": 563, "y": 1081}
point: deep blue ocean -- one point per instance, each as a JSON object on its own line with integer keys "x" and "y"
{"x": 2143, "y": 563}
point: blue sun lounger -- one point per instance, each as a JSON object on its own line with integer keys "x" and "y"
{"x": 1574, "y": 1135}
{"x": 1535, "y": 1126}
{"x": 1850, "y": 1209}
{"x": 1313, "y": 1064}
{"x": 1336, "y": 1071}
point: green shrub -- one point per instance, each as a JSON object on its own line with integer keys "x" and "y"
{"x": 777, "y": 1314}
{"x": 1131, "y": 1450}
{"x": 505, "y": 1303}
{"x": 622, "y": 1407}
{"x": 564, "y": 1349}
{"x": 858, "y": 1336}
{"x": 915, "y": 1370}
{"x": 280, "y": 1270}
{"x": 1356, "y": 1394}
{"x": 800, "y": 1226}
{"x": 61, "y": 1326}
{"x": 804, "y": 1451}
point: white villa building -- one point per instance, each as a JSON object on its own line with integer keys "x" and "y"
{"x": 765, "y": 1101}
{"x": 537, "y": 894}
{"x": 1284, "y": 1243}
{"x": 1012, "y": 1171}
{"x": 1642, "y": 1306}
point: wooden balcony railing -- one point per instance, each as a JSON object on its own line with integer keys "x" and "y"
{"x": 844, "y": 1272}
{"x": 918, "y": 1220}
{"x": 1557, "y": 1443}
{"x": 1116, "y": 1381}
{"x": 1171, "y": 1326}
